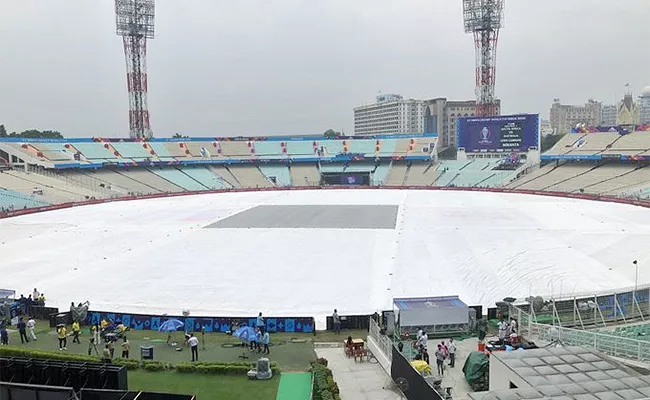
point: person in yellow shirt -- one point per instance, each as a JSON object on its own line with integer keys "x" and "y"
{"x": 76, "y": 329}
{"x": 62, "y": 335}
{"x": 421, "y": 366}
{"x": 104, "y": 324}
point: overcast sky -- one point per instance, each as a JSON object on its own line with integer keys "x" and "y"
{"x": 256, "y": 67}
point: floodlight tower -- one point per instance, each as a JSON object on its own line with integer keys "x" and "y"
{"x": 484, "y": 18}
{"x": 135, "y": 23}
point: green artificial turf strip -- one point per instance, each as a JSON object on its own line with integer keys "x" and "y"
{"x": 294, "y": 386}
{"x": 204, "y": 387}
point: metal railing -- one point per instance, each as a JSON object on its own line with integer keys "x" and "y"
{"x": 586, "y": 310}
{"x": 383, "y": 341}
{"x": 613, "y": 345}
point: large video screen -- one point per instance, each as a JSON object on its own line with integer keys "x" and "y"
{"x": 506, "y": 133}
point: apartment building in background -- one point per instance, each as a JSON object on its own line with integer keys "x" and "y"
{"x": 644, "y": 106}
{"x": 608, "y": 115}
{"x": 392, "y": 114}
{"x": 566, "y": 117}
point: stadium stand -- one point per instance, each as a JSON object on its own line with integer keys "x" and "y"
{"x": 277, "y": 173}
{"x": 304, "y": 174}
{"x": 10, "y": 199}
{"x": 421, "y": 174}
{"x": 380, "y": 174}
{"x": 251, "y": 175}
{"x": 611, "y": 163}
{"x": 152, "y": 180}
{"x": 397, "y": 174}
{"x": 178, "y": 178}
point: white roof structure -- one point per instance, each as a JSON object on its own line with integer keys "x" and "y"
{"x": 562, "y": 373}
{"x": 291, "y": 253}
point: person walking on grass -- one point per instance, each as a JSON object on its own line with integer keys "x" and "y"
{"x": 126, "y": 346}
{"x": 76, "y": 329}
{"x": 256, "y": 342}
{"x": 95, "y": 331}
{"x": 62, "y": 333}
{"x": 194, "y": 347}
{"x": 266, "y": 339}
{"x": 336, "y": 320}
{"x": 22, "y": 330}
{"x": 31, "y": 324}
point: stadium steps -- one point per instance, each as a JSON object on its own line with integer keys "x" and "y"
{"x": 252, "y": 177}
{"x": 179, "y": 178}
{"x": 10, "y": 180}
{"x": 397, "y": 174}
{"x": 561, "y": 181}
{"x": 532, "y": 176}
{"x": 149, "y": 178}
{"x": 57, "y": 186}
{"x": 194, "y": 178}
{"x": 225, "y": 174}
{"x": 114, "y": 178}
{"x": 478, "y": 184}
{"x": 304, "y": 174}
{"x": 206, "y": 177}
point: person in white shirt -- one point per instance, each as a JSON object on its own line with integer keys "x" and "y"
{"x": 31, "y": 324}
{"x": 194, "y": 346}
{"x": 419, "y": 334}
{"x": 513, "y": 325}
{"x": 422, "y": 344}
{"x": 503, "y": 328}
{"x": 35, "y": 295}
{"x": 452, "y": 353}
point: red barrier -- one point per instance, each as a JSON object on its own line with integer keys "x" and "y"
{"x": 580, "y": 196}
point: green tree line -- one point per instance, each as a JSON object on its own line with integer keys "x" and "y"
{"x": 31, "y": 133}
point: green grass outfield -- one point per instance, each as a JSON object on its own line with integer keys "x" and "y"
{"x": 292, "y": 352}
{"x": 204, "y": 387}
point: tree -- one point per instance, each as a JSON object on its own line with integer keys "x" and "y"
{"x": 331, "y": 133}
{"x": 549, "y": 141}
{"x": 36, "y": 134}
{"x": 3, "y": 131}
{"x": 180, "y": 136}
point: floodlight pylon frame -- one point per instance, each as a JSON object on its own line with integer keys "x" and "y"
{"x": 484, "y": 19}
{"x": 135, "y": 23}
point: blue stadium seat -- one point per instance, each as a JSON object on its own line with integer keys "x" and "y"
{"x": 280, "y": 172}
{"x": 178, "y": 178}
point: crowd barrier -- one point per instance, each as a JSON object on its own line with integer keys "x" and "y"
{"x": 411, "y": 382}
{"x": 210, "y": 324}
{"x": 350, "y": 322}
{"x": 581, "y": 196}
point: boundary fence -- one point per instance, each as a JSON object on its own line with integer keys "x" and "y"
{"x": 609, "y": 199}
{"x": 591, "y": 310}
{"x": 613, "y": 345}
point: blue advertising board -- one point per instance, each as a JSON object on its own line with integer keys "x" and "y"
{"x": 505, "y": 133}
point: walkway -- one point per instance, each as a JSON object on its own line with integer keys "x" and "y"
{"x": 294, "y": 386}
{"x": 358, "y": 380}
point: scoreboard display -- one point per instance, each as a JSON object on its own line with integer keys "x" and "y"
{"x": 506, "y": 133}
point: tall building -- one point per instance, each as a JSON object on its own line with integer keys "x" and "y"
{"x": 644, "y": 106}
{"x": 628, "y": 111}
{"x": 608, "y": 115}
{"x": 566, "y": 117}
{"x": 440, "y": 116}
{"x": 391, "y": 114}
